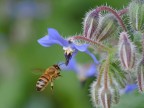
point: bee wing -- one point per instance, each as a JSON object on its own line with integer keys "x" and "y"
{"x": 38, "y": 71}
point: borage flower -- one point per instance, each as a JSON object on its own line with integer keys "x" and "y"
{"x": 83, "y": 71}
{"x": 70, "y": 48}
{"x": 129, "y": 88}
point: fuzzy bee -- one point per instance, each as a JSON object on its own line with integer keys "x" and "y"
{"x": 47, "y": 77}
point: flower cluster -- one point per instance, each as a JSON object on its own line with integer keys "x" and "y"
{"x": 120, "y": 45}
{"x": 70, "y": 50}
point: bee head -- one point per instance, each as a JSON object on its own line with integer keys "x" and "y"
{"x": 57, "y": 67}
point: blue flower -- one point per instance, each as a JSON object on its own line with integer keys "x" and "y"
{"x": 83, "y": 71}
{"x": 70, "y": 48}
{"x": 129, "y": 88}
{"x": 72, "y": 66}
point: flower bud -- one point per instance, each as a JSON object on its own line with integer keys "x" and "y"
{"x": 106, "y": 98}
{"x": 136, "y": 15}
{"x": 95, "y": 94}
{"x": 140, "y": 75}
{"x": 126, "y": 51}
{"x": 115, "y": 95}
{"x": 107, "y": 26}
{"x": 98, "y": 27}
{"x": 90, "y": 23}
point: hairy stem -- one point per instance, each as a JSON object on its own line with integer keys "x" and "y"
{"x": 105, "y": 8}
{"x": 143, "y": 45}
{"x": 124, "y": 11}
{"x": 110, "y": 78}
{"x": 91, "y": 41}
{"x": 101, "y": 70}
{"x": 106, "y": 70}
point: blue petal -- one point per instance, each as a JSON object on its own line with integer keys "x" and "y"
{"x": 129, "y": 88}
{"x": 92, "y": 71}
{"x": 81, "y": 48}
{"x": 47, "y": 42}
{"x": 56, "y": 36}
{"x": 72, "y": 66}
{"x": 92, "y": 56}
{"x": 84, "y": 48}
{"x": 53, "y": 37}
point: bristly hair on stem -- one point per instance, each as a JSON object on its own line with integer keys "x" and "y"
{"x": 100, "y": 45}
{"x": 106, "y": 71}
{"x": 143, "y": 44}
{"x": 105, "y": 91}
{"x": 123, "y": 11}
{"x": 116, "y": 14}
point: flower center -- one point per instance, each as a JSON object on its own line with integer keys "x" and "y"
{"x": 68, "y": 51}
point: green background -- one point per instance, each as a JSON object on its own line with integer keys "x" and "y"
{"x": 20, "y": 54}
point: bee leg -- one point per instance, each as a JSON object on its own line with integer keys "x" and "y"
{"x": 59, "y": 75}
{"x": 52, "y": 86}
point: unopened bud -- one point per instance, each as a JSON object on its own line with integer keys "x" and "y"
{"x": 136, "y": 15}
{"x": 140, "y": 76}
{"x": 106, "y": 98}
{"x": 98, "y": 27}
{"x": 115, "y": 95}
{"x": 126, "y": 51}
{"x": 95, "y": 94}
{"x": 107, "y": 27}
{"x": 90, "y": 23}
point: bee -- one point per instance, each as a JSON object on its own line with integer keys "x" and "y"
{"x": 47, "y": 77}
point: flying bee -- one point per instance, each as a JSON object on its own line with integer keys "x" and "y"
{"x": 48, "y": 76}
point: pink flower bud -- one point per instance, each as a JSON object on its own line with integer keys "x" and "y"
{"x": 126, "y": 51}
{"x": 106, "y": 98}
{"x": 115, "y": 95}
{"x": 90, "y": 23}
{"x": 95, "y": 94}
{"x": 136, "y": 15}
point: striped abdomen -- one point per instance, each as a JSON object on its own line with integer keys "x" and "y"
{"x": 42, "y": 83}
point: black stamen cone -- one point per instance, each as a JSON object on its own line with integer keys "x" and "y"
{"x": 68, "y": 57}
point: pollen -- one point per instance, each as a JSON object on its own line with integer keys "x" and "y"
{"x": 68, "y": 50}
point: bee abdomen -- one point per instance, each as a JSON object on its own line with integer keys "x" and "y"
{"x": 41, "y": 83}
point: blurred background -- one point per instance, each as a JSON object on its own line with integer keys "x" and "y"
{"x": 22, "y": 22}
